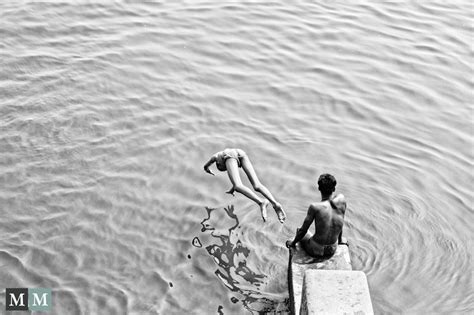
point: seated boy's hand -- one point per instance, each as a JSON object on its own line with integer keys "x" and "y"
{"x": 344, "y": 241}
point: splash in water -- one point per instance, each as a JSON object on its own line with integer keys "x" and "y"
{"x": 231, "y": 256}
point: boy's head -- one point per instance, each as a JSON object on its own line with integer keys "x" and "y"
{"x": 327, "y": 184}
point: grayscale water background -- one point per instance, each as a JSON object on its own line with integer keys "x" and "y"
{"x": 109, "y": 111}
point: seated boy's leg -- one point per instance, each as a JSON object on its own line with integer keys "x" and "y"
{"x": 311, "y": 247}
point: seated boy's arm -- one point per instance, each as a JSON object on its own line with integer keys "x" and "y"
{"x": 301, "y": 232}
{"x": 342, "y": 201}
{"x": 342, "y": 240}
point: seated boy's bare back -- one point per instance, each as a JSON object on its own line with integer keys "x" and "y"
{"x": 328, "y": 219}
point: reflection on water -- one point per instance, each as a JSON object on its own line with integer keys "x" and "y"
{"x": 231, "y": 256}
{"x": 196, "y": 242}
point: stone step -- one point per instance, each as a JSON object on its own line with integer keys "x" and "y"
{"x": 326, "y": 285}
{"x": 335, "y": 292}
{"x": 300, "y": 262}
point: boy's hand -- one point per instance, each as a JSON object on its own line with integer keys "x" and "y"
{"x": 344, "y": 241}
{"x": 207, "y": 170}
{"x": 231, "y": 191}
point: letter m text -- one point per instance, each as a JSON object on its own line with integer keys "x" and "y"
{"x": 16, "y": 299}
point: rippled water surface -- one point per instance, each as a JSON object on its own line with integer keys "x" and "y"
{"x": 108, "y": 112}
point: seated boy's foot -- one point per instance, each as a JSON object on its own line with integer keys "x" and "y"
{"x": 263, "y": 209}
{"x": 280, "y": 212}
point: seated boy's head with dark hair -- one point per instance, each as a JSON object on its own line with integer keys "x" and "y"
{"x": 327, "y": 184}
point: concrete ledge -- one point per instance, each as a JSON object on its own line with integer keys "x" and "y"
{"x": 335, "y": 292}
{"x": 300, "y": 262}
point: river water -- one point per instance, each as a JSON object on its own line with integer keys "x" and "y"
{"x": 109, "y": 111}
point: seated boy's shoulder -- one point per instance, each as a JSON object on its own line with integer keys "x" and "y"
{"x": 339, "y": 198}
{"x": 340, "y": 202}
{"x": 316, "y": 206}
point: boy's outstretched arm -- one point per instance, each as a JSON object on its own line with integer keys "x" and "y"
{"x": 209, "y": 163}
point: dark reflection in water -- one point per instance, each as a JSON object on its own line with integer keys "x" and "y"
{"x": 231, "y": 258}
{"x": 197, "y": 242}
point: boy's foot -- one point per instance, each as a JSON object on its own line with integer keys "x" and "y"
{"x": 280, "y": 212}
{"x": 231, "y": 191}
{"x": 263, "y": 209}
